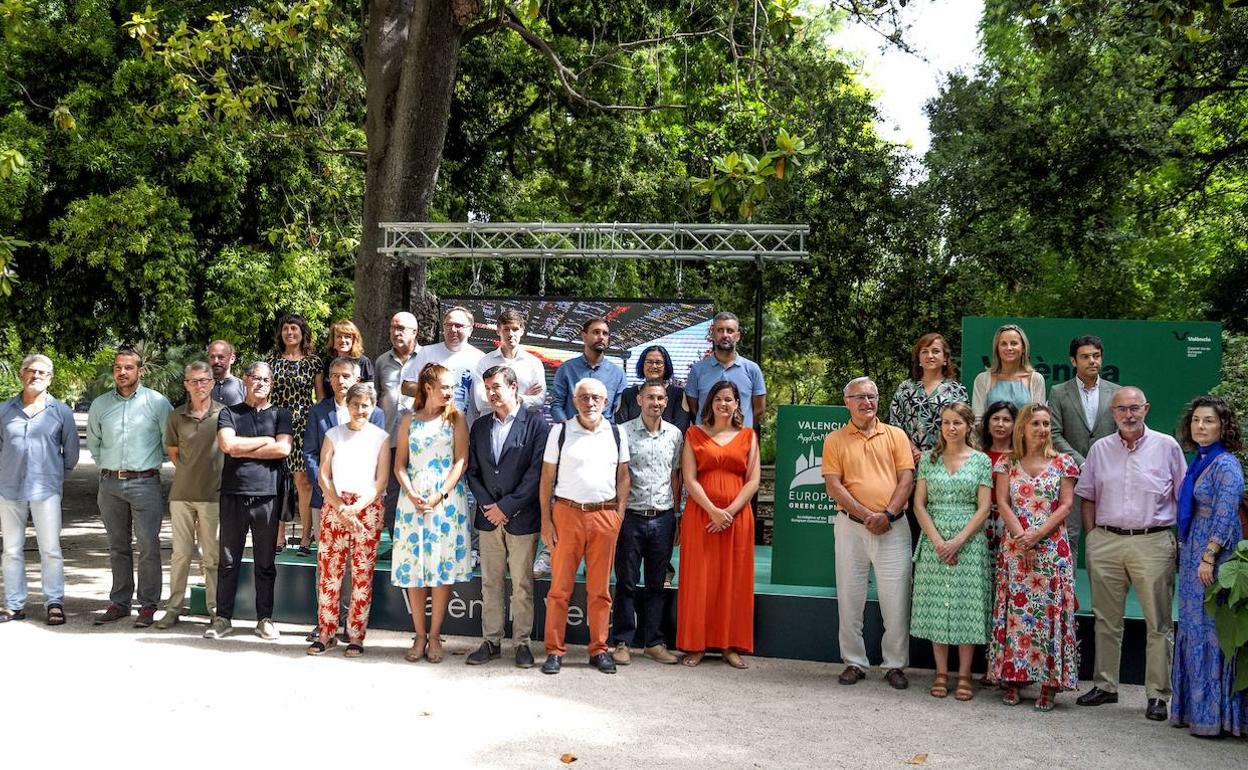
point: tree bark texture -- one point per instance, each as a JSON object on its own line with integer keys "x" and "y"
{"x": 411, "y": 53}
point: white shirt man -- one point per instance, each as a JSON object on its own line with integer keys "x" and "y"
{"x": 530, "y": 374}
{"x": 455, "y": 354}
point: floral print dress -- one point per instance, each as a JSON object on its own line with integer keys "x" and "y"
{"x": 431, "y": 549}
{"x": 294, "y": 389}
{"x": 1033, "y": 618}
{"x": 917, "y": 412}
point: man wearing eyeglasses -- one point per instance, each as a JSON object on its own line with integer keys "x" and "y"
{"x": 38, "y": 446}
{"x": 1130, "y": 486}
{"x": 388, "y": 377}
{"x": 869, "y": 471}
{"x": 194, "y": 498}
{"x": 455, "y": 353}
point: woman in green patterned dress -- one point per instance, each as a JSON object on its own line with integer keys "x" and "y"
{"x": 952, "y": 575}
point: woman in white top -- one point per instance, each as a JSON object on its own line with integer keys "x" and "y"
{"x": 1011, "y": 377}
{"x": 355, "y": 467}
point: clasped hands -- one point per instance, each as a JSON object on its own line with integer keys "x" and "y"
{"x": 1026, "y": 542}
{"x": 947, "y": 550}
{"x": 423, "y": 504}
{"x": 720, "y": 520}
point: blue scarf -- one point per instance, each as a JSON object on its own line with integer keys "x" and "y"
{"x": 1187, "y": 493}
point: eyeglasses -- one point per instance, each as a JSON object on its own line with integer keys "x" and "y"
{"x": 261, "y": 380}
{"x": 38, "y": 372}
{"x": 200, "y": 381}
{"x": 1129, "y": 408}
{"x": 401, "y": 328}
{"x": 873, "y": 397}
{"x": 590, "y": 398}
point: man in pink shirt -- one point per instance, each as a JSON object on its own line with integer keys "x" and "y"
{"x": 1130, "y": 487}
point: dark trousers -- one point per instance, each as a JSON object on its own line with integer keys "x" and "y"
{"x": 239, "y": 515}
{"x": 643, "y": 540}
{"x": 392, "y": 502}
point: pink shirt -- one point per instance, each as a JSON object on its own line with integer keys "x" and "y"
{"x": 1134, "y": 488}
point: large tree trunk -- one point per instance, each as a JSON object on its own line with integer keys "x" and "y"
{"x": 411, "y": 52}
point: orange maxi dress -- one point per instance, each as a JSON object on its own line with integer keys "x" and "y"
{"x": 715, "y": 598}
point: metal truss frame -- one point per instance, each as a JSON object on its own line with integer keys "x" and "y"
{"x": 596, "y": 240}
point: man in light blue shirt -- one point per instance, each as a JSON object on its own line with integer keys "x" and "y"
{"x": 126, "y": 435}
{"x": 593, "y": 363}
{"x": 727, "y": 364}
{"x": 38, "y": 446}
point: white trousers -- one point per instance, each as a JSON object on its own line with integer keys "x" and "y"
{"x": 857, "y": 553}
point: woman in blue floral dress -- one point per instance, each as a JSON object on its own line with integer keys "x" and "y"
{"x": 1202, "y": 678}
{"x": 431, "y": 541}
{"x": 1033, "y": 618}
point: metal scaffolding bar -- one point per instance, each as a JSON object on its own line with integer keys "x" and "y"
{"x": 600, "y": 240}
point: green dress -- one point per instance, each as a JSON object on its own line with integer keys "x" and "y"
{"x": 953, "y": 605}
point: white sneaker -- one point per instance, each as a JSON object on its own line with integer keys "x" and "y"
{"x": 476, "y": 558}
{"x": 541, "y": 565}
{"x": 266, "y": 630}
{"x": 219, "y": 628}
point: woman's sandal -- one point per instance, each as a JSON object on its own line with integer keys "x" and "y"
{"x": 417, "y": 650}
{"x": 940, "y": 686}
{"x": 692, "y": 659}
{"x": 56, "y": 615}
{"x": 1011, "y": 696}
{"x": 318, "y": 647}
{"x": 965, "y": 691}
{"x": 733, "y": 658}
{"x": 1047, "y": 700}
{"x": 432, "y": 655}
{"x": 354, "y": 650}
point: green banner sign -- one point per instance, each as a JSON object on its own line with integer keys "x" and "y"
{"x": 801, "y": 538}
{"x": 1172, "y": 361}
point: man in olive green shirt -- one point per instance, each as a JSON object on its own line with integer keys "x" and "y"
{"x": 194, "y": 508}
{"x": 126, "y": 436}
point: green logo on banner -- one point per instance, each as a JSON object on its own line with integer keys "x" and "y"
{"x": 802, "y": 530}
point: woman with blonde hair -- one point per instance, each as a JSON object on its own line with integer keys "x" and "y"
{"x": 431, "y": 538}
{"x": 345, "y": 341}
{"x": 952, "y": 574}
{"x": 1033, "y": 618}
{"x": 1011, "y": 376}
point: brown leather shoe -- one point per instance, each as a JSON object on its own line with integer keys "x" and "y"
{"x": 897, "y": 679}
{"x": 851, "y": 675}
{"x": 114, "y": 613}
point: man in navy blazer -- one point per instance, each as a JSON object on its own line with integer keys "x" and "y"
{"x": 505, "y": 450}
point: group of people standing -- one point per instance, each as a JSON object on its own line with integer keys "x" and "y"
{"x": 999, "y": 488}
{"x": 445, "y": 446}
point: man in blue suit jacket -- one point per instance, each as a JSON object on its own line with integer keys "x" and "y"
{"x": 505, "y": 450}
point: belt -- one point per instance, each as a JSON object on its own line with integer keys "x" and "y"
{"x": 1121, "y": 531}
{"x": 856, "y": 520}
{"x": 602, "y": 506}
{"x": 123, "y": 475}
{"x": 648, "y": 513}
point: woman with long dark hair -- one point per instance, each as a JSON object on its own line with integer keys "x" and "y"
{"x": 296, "y": 387}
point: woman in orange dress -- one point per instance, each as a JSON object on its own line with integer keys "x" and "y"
{"x": 715, "y": 599}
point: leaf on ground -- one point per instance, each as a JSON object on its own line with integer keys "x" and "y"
{"x": 917, "y": 759}
{"x": 567, "y": 759}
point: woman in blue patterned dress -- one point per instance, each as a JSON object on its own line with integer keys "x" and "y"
{"x": 952, "y": 576}
{"x": 1201, "y": 678}
{"x": 1012, "y": 377}
{"x": 431, "y": 541}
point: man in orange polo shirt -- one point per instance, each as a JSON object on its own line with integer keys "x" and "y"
{"x": 869, "y": 471}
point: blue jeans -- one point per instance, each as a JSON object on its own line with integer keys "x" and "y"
{"x": 47, "y": 519}
{"x": 133, "y": 504}
{"x": 643, "y": 540}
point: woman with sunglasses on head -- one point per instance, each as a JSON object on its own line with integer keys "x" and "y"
{"x": 1011, "y": 376}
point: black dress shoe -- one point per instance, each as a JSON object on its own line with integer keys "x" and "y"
{"x": 1156, "y": 710}
{"x": 602, "y": 661}
{"x": 524, "y": 656}
{"x": 1096, "y": 696}
{"x": 484, "y": 654}
{"x": 553, "y": 664}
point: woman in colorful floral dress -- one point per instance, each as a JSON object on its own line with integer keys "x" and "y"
{"x": 933, "y": 385}
{"x": 1033, "y": 634}
{"x": 1202, "y": 678}
{"x": 296, "y": 387}
{"x": 431, "y": 539}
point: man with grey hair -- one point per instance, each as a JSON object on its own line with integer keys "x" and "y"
{"x": 194, "y": 506}
{"x": 126, "y": 436}
{"x": 255, "y": 437}
{"x": 227, "y": 389}
{"x": 38, "y": 446}
{"x": 388, "y": 376}
{"x": 584, "y": 490}
{"x": 869, "y": 471}
{"x": 725, "y": 363}
{"x": 456, "y": 354}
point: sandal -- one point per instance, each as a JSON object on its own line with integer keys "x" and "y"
{"x": 1011, "y": 696}
{"x": 354, "y": 650}
{"x": 417, "y": 650}
{"x": 964, "y": 692}
{"x": 318, "y": 647}
{"x": 56, "y": 615}
{"x": 7, "y": 615}
{"x": 940, "y": 686}
{"x": 1047, "y": 700}
{"x": 692, "y": 659}
{"x": 733, "y": 658}
{"x": 432, "y": 655}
